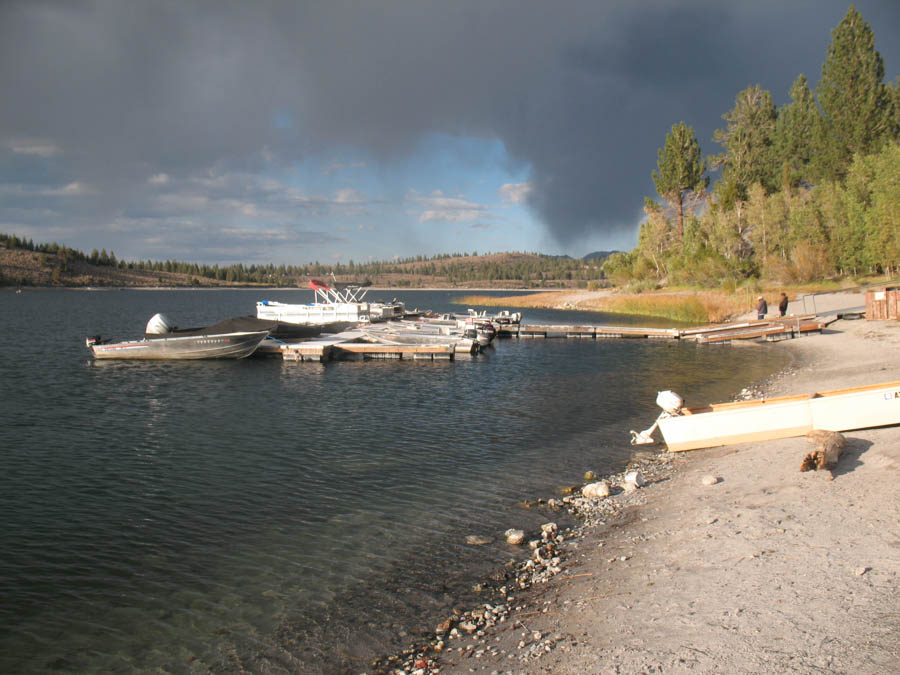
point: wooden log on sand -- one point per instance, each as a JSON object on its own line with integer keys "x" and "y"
{"x": 827, "y": 453}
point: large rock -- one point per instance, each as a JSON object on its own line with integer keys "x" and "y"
{"x": 514, "y": 537}
{"x": 596, "y": 490}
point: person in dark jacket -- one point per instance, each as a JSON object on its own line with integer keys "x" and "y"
{"x": 762, "y": 308}
{"x": 782, "y": 305}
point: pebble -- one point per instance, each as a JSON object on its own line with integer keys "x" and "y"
{"x": 861, "y": 570}
{"x": 477, "y": 540}
{"x": 635, "y": 478}
{"x": 709, "y": 479}
{"x": 543, "y": 564}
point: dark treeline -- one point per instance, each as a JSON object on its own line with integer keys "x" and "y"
{"x": 527, "y": 269}
{"x": 803, "y": 192}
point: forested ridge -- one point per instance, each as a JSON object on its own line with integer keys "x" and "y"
{"x": 806, "y": 191}
{"x": 55, "y": 264}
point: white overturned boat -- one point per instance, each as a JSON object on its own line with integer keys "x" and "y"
{"x": 783, "y": 417}
{"x": 339, "y": 302}
{"x": 230, "y": 339}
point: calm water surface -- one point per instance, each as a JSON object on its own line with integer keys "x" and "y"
{"x": 286, "y": 517}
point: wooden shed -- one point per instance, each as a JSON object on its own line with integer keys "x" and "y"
{"x": 883, "y": 303}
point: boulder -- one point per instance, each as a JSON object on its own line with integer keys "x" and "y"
{"x": 514, "y": 537}
{"x": 596, "y": 490}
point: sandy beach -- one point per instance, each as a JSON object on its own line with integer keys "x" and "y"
{"x": 767, "y": 570}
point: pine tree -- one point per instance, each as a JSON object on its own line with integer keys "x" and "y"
{"x": 682, "y": 171}
{"x": 795, "y": 131}
{"x": 855, "y": 102}
{"x": 748, "y": 142}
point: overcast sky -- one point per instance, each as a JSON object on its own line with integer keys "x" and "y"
{"x": 231, "y": 131}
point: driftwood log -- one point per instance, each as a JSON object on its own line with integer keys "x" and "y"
{"x": 830, "y": 445}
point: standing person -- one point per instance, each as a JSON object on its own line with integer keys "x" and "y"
{"x": 762, "y": 308}
{"x": 782, "y": 306}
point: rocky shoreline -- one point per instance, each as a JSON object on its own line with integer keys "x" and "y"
{"x": 516, "y": 591}
{"x": 726, "y": 560}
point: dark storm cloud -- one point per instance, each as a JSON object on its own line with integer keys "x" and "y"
{"x": 581, "y": 92}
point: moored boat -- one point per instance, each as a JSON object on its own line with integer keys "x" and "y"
{"x": 783, "y": 417}
{"x": 397, "y": 333}
{"x": 338, "y": 302}
{"x": 230, "y": 339}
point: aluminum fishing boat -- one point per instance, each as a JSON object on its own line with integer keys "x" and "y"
{"x": 230, "y": 339}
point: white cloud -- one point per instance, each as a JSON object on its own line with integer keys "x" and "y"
{"x": 340, "y": 166}
{"x": 183, "y": 202}
{"x": 35, "y": 146}
{"x": 447, "y": 209}
{"x": 515, "y": 193}
{"x": 74, "y": 189}
{"x": 349, "y": 196}
{"x": 158, "y": 179}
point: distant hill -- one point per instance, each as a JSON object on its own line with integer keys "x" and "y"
{"x": 599, "y": 255}
{"x": 63, "y": 267}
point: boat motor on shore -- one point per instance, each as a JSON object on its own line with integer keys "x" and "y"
{"x": 671, "y": 403}
{"x": 690, "y": 428}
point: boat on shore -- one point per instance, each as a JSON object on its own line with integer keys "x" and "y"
{"x": 338, "y": 302}
{"x": 766, "y": 419}
{"x": 230, "y": 339}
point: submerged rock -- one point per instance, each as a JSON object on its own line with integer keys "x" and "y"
{"x": 478, "y": 540}
{"x": 514, "y": 537}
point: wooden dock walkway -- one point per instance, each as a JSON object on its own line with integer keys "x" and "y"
{"x": 352, "y": 344}
{"x": 766, "y": 329}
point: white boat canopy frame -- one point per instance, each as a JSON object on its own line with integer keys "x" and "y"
{"x": 349, "y": 293}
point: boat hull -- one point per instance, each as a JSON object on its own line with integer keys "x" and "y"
{"x": 185, "y": 348}
{"x": 461, "y": 345}
{"x": 786, "y": 417}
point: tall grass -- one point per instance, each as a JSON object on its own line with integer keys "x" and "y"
{"x": 548, "y": 299}
{"x": 694, "y": 307}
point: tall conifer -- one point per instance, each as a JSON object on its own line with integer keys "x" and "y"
{"x": 749, "y": 156}
{"x": 855, "y": 102}
{"x": 794, "y": 133}
{"x": 682, "y": 170}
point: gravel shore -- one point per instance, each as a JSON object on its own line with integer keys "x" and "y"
{"x": 726, "y": 560}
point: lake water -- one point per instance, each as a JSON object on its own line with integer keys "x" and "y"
{"x": 287, "y": 517}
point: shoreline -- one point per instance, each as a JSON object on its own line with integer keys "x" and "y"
{"x": 767, "y": 569}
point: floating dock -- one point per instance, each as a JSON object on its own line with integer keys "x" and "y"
{"x": 356, "y": 345}
{"x": 766, "y": 329}
{"x": 351, "y": 345}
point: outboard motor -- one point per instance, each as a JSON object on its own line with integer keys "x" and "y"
{"x": 671, "y": 403}
{"x": 159, "y": 325}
